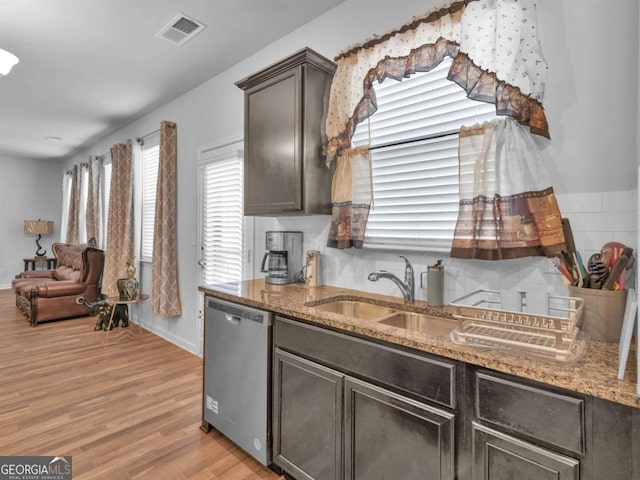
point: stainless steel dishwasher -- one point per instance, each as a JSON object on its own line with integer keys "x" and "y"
{"x": 236, "y": 375}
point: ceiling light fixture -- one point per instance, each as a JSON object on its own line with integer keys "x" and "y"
{"x": 7, "y": 61}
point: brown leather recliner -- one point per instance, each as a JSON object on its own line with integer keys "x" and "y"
{"x": 44, "y": 295}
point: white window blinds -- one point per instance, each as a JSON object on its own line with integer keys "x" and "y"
{"x": 150, "y": 161}
{"x": 222, "y": 219}
{"x": 414, "y": 156}
{"x": 106, "y": 197}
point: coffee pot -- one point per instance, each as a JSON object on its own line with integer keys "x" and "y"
{"x": 283, "y": 258}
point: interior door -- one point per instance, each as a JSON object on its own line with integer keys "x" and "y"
{"x": 225, "y": 236}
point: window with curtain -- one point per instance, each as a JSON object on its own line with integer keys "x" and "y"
{"x": 414, "y": 155}
{"x": 222, "y": 218}
{"x": 66, "y": 199}
{"x": 150, "y": 161}
{"x": 84, "y": 193}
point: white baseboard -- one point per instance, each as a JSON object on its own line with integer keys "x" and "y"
{"x": 170, "y": 337}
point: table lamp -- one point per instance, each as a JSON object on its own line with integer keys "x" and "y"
{"x": 40, "y": 227}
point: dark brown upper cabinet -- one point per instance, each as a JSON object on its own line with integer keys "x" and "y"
{"x": 284, "y": 165}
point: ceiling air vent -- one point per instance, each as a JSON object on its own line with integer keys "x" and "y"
{"x": 181, "y": 29}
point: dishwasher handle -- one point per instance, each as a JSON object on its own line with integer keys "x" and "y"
{"x": 232, "y": 319}
{"x": 235, "y": 314}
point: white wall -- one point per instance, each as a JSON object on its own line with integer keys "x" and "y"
{"x": 29, "y": 190}
{"x": 591, "y": 104}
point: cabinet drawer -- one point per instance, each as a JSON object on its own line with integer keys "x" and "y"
{"x": 551, "y": 417}
{"x": 425, "y": 377}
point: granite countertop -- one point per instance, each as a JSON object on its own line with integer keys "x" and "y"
{"x": 595, "y": 374}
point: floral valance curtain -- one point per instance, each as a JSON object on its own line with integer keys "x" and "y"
{"x": 496, "y": 58}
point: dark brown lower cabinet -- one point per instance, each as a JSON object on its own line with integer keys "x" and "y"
{"x": 388, "y": 436}
{"x": 346, "y": 407}
{"x": 307, "y": 418}
{"x": 497, "y": 456}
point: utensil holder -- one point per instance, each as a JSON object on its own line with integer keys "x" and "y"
{"x": 603, "y": 312}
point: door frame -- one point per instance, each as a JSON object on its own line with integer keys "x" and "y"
{"x": 208, "y": 153}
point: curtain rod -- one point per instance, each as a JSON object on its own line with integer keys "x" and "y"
{"x": 433, "y": 136}
{"x": 138, "y": 139}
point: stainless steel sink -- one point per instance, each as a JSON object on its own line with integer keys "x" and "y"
{"x": 395, "y": 317}
{"x": 354, "y": 308}
{"x": 422, "y": 323}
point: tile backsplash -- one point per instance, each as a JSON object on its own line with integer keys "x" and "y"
{"x": 596, "y": 218}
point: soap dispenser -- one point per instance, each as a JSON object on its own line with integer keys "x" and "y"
{"x": 435, "y": 284}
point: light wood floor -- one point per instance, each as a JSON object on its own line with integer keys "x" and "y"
{"x": 127, "y": 409}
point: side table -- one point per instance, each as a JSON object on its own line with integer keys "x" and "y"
{"x": 115, "y": 301}
{"x": 52, "y": 262}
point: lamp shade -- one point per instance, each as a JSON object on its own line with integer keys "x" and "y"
{"x": 42, "y": 227}
{"x": 7, "y": 61}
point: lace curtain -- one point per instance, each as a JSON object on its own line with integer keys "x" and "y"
{"x": 496, "y": 58}
{"x": 351, "y": 195}
{"x": 507, "y": 209}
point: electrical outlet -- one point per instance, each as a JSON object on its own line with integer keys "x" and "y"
{"x": 550, "y": 266}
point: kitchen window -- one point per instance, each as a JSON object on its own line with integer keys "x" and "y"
{"x": 414, "y": 153}
{"x": 150, "y": 162}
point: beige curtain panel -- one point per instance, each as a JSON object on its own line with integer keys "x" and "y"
{"x": 93, "y": 200}
{"x": 73, "y": 222}
{"x": 120, "y": 225}
{"x": 165, "y": 289}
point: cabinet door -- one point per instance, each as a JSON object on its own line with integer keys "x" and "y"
{"x": 273, "y": 161}
{"x": 497, "y": 456}
{"x": 390, "y": 436}
{"x": 307, "y": 418}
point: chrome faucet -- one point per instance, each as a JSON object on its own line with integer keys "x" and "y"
{"x": 407, "y": 287}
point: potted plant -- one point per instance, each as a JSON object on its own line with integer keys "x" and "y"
{"x": 128, "y": 288}
{"x": 131, "y": 266}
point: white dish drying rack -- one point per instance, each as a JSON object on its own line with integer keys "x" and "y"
{"x": 553, "y": 336}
